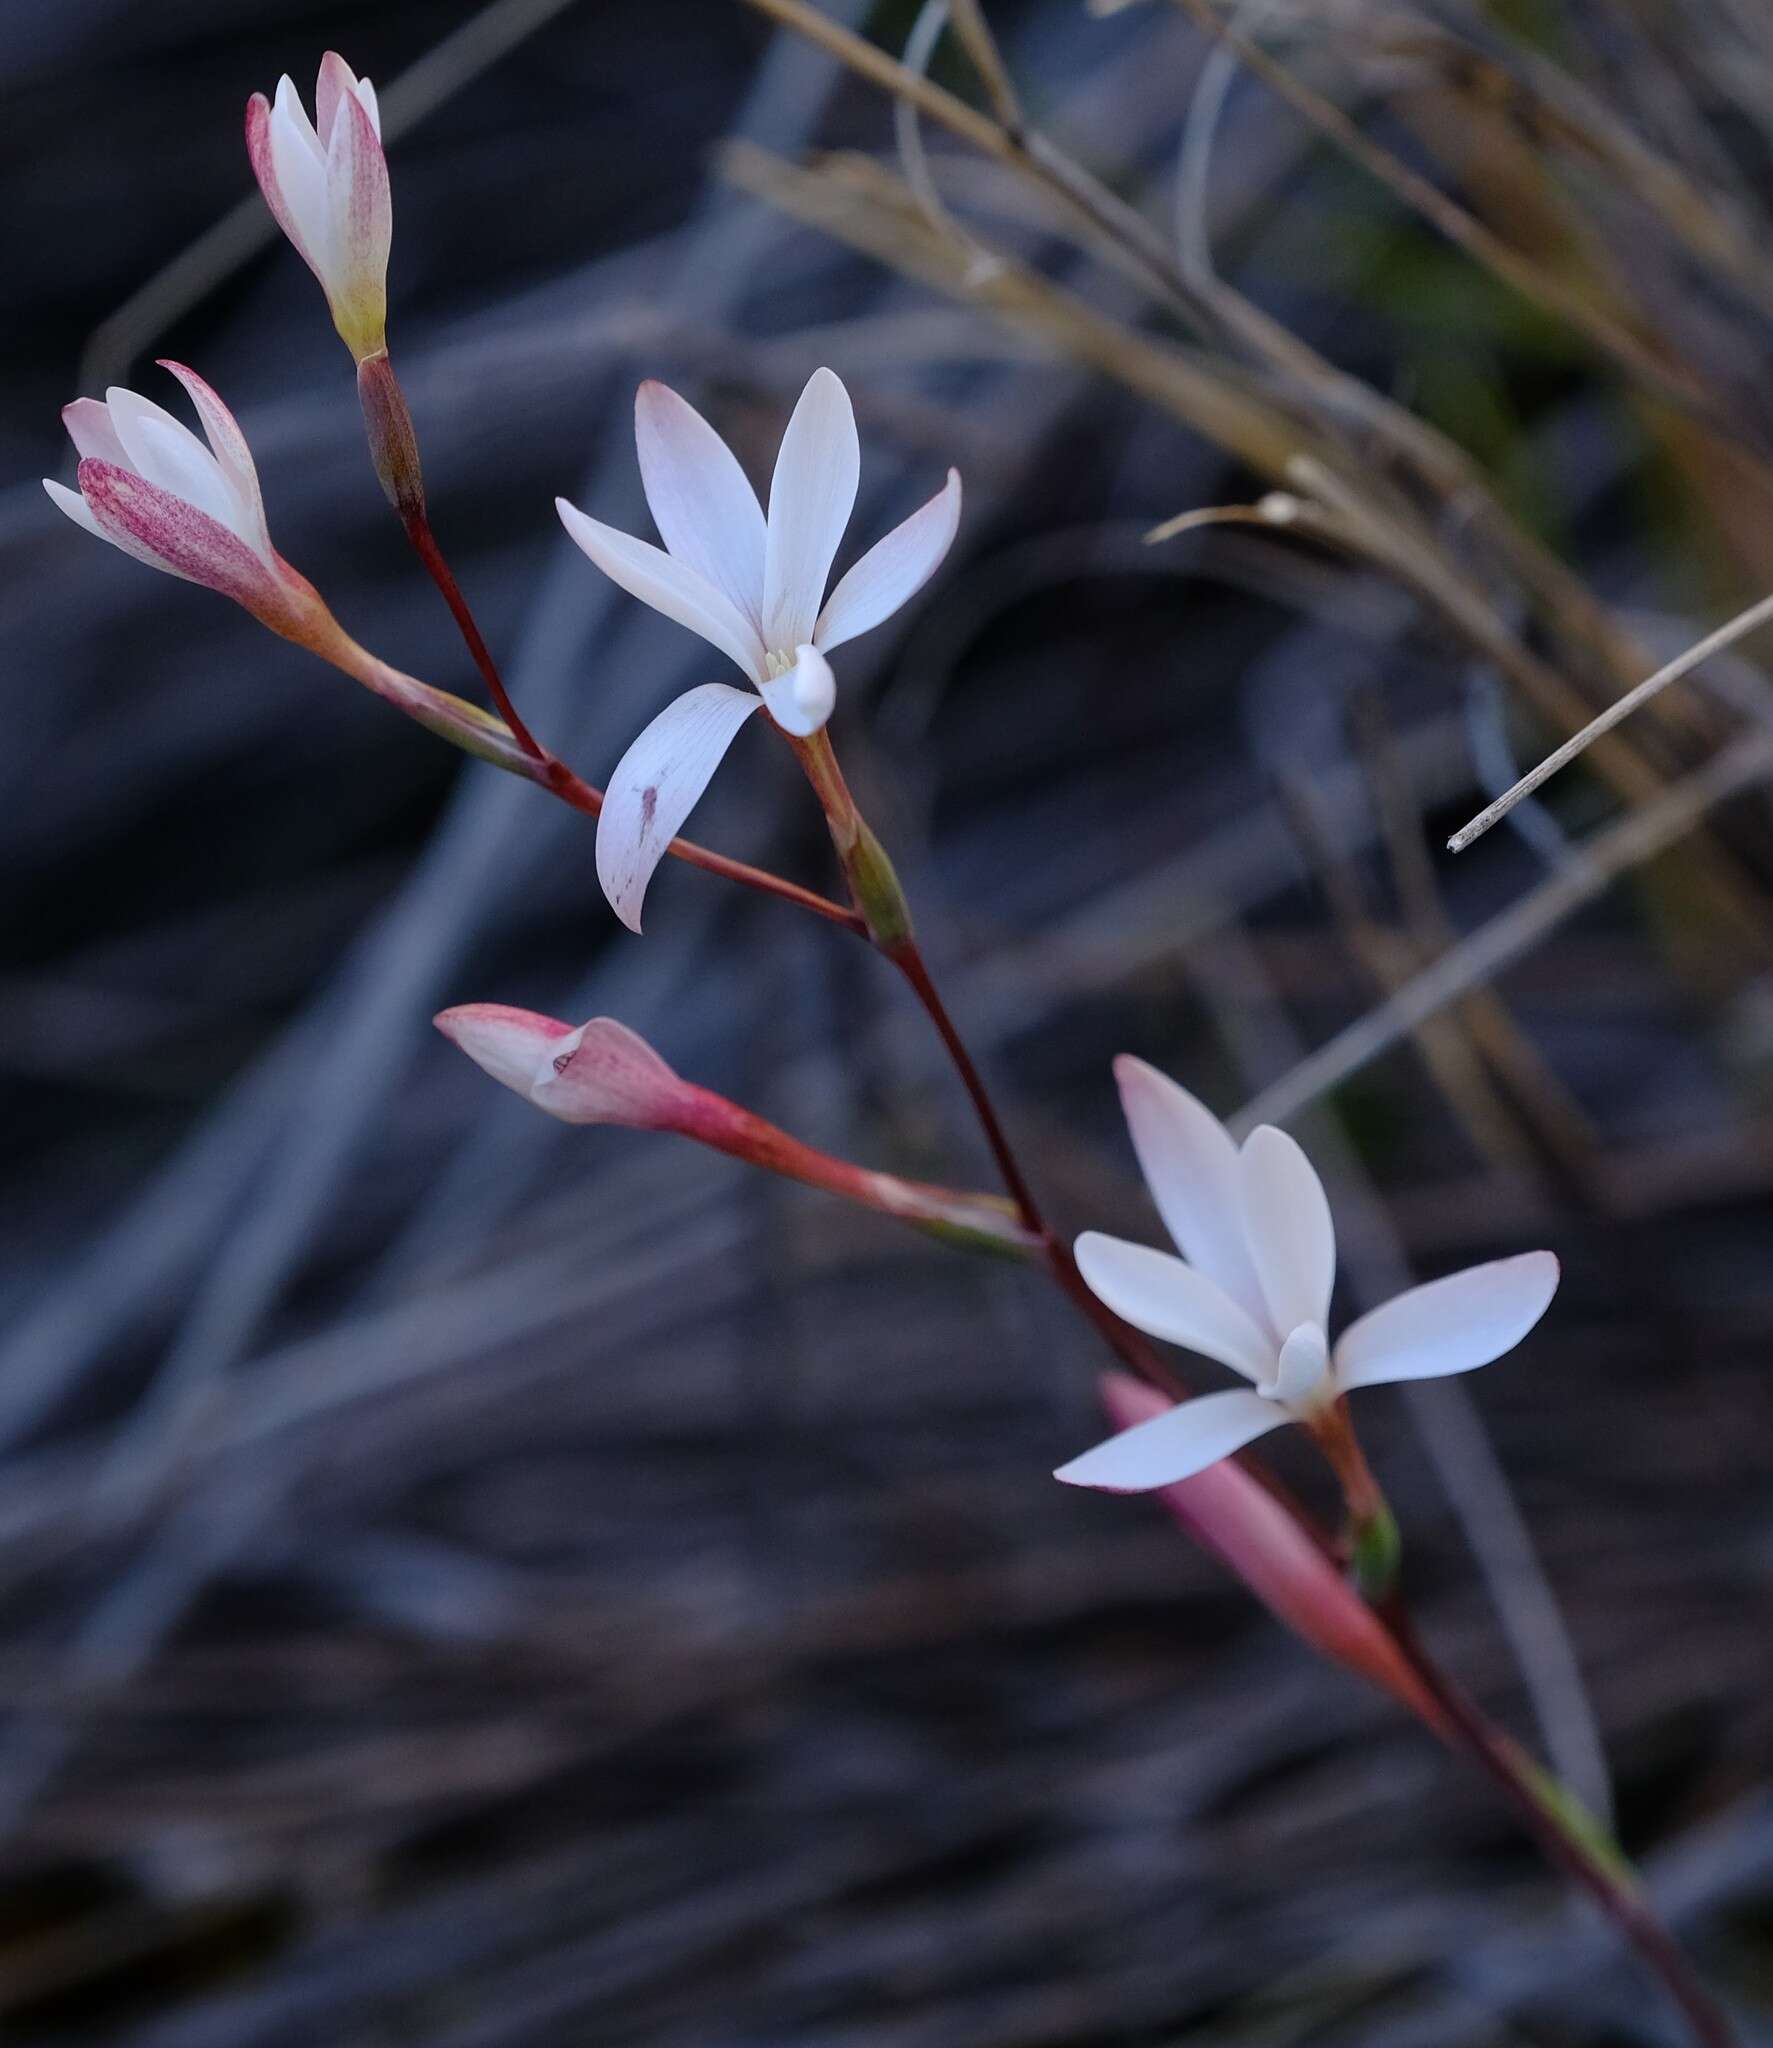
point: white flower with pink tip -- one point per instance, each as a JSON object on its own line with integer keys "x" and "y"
{"x": 1252, "y": 1290}
{"x": 151, "y": 488}
{"x": 751, "y": 585}
{"x": 326, "y": 182}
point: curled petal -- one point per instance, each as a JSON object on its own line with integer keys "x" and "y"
{"x": 704, "y": 507}
{"x": 1190, "y": 1164}
{"x": 172, "y": 534}
{"x": 1175, "y": 1445}
{"x": 892, "y": 570}
{"x": 656, "y": 785}
{"x": 812, "y": 495}
{"x": 801, "y": 701}
{"x": 668, "y": 585}
{"x": 1451, "y": 1325}
{"x": 1288, "y": 1228}
{"x": 1160, "y": 1295}
{"x": 1300, "y": 1373}
{"x": 603, "y": 1073}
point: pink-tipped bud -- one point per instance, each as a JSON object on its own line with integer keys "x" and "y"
{"x": 151, "y": 488}
{"x": 601, "y": 1073}
{"x": 326, "y": 182}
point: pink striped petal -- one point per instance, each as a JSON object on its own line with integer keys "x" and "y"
{"x": 1176, "y": 1444}
{"x": 1288, "y": 1228}
{"x": 812, "y": 496}
{"x": 360, "y": 208}
{"x": 657, "y": 783}
{"x": 1451, "y": 1325}
{"x": 337, "y": 82}
{"x": 892, "y": 570}
{"x": 705, "y": 510}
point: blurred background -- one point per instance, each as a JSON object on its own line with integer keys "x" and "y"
{"x": 469, "y": 1581}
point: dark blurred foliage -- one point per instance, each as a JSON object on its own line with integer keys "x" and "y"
{"x": 472, "y": 1582}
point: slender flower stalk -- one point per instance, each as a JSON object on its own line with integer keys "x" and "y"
{"x": 603, "y": 1073}
{"x": 751, "y": 585}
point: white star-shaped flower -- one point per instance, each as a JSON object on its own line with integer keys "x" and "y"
{"x": 1252, "y": 1290}
{"x": 752, "y": 586}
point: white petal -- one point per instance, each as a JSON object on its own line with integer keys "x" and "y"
{"x": 73, "y": 505}
{"x": 1450, "y": 1325}
{"x": 705, "y": 509}
{"x": 801, "y": 701}
{"x": 93, "y": 432}
{"x": 1175, "y": 1445}
{"x": 892, "y": 570}
{"x": 656, "y": 785}
{"x": 812, "y": 495}
{"x": 1287, "y": 1228}
{"x": 166, "y": 452}
{"x": 1190, "y": 1164}
{"x": 299, "y": 166}
{"x": 1160, "y": 1295}
{"x": 668, "y": 585}
{"x": 371, "y": 105}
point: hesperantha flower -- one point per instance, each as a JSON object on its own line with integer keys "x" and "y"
{"x": 151, "y": 488}
{"x": 751, "y": 585}
{"x": 326, "y": 182}
{"x": 1252, "y": 1290}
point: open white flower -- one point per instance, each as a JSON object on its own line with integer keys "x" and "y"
{"x": 326, "y": 181}
{"x": 1254, "y": 1229}
{"x": 751, "y": 586}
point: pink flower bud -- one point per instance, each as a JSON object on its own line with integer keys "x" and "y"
{"x": 326, "y": 181}
{"x": 151, "y": 488}
{"x": 602, "y": 1073}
